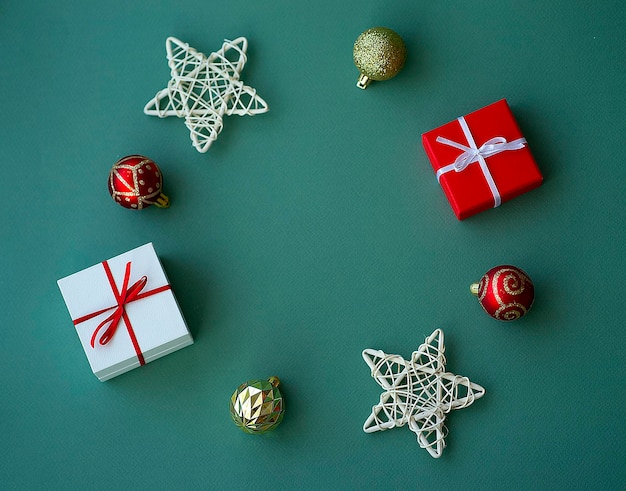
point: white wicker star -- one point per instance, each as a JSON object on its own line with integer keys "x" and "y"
{"x": 418, "y": 392}
{"x": 203, "y": 89}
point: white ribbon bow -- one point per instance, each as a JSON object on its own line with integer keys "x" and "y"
{"x": 473, "y": 153}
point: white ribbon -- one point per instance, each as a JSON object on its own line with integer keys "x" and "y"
{"x": 473, "y": 154}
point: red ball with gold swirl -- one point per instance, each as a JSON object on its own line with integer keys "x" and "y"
{"x": 505, "y": 292}
{"x": 136, "y": 182}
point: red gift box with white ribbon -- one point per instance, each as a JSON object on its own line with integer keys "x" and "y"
{"x": 125, "y": 312}
{"x": 481, "y": 160}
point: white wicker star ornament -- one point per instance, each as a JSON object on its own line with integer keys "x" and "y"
{"x": 418, "y": 392}
{"x": 202, "y": 89}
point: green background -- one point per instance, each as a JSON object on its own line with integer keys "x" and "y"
{"x": 309, "y": 233}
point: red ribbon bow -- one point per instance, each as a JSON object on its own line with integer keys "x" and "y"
{"x": 123, "y": 297}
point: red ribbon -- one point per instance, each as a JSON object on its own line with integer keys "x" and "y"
{"x": 123, "y": 297}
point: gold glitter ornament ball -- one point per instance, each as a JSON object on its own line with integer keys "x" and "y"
{"x": 379, "y": 54}
{"x": 257, "y": 405}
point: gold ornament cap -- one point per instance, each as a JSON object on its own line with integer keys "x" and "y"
{"x": 379, "y": 53}
{"x": 162, "y": 201}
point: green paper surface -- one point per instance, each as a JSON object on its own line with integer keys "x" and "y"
{"x": 309, "y": 233}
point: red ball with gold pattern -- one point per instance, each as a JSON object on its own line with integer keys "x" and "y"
{"x": 505, "y": 292}
{"x": 136, "y": 182}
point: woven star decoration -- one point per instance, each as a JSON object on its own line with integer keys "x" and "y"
{"x": 418, "y": 392}
{"x": 202, "y": 89}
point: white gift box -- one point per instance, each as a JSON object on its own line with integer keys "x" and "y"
{"x": 125, "y": 312}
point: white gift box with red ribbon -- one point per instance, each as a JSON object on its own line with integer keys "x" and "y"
{"x": 125, "y": 312}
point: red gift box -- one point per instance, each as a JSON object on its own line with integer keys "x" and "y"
{"x": 481, "y": 160}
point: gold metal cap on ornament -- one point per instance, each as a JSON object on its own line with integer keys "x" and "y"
{"x": 257, "y": 405}
{"x": 379, "y": 53}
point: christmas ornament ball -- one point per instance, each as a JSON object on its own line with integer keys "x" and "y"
{"x": 379, "y": 53}
{"x": 257, "y": 405}
{"x": 505, "y": 292}
{"x": 136, "y": 182}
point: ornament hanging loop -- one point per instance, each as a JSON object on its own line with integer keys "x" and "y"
{"x": 162, "y": 201}
{"x": 363, "y": 81}
{"x": 274, "y": 381}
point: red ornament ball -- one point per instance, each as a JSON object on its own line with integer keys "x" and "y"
{"x": 505, "y": 292}
{"x": 136, "y": 182}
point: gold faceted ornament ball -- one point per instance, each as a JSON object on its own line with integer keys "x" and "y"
{"x": 257, "y": 405}
{"x": 379, "y": 54}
